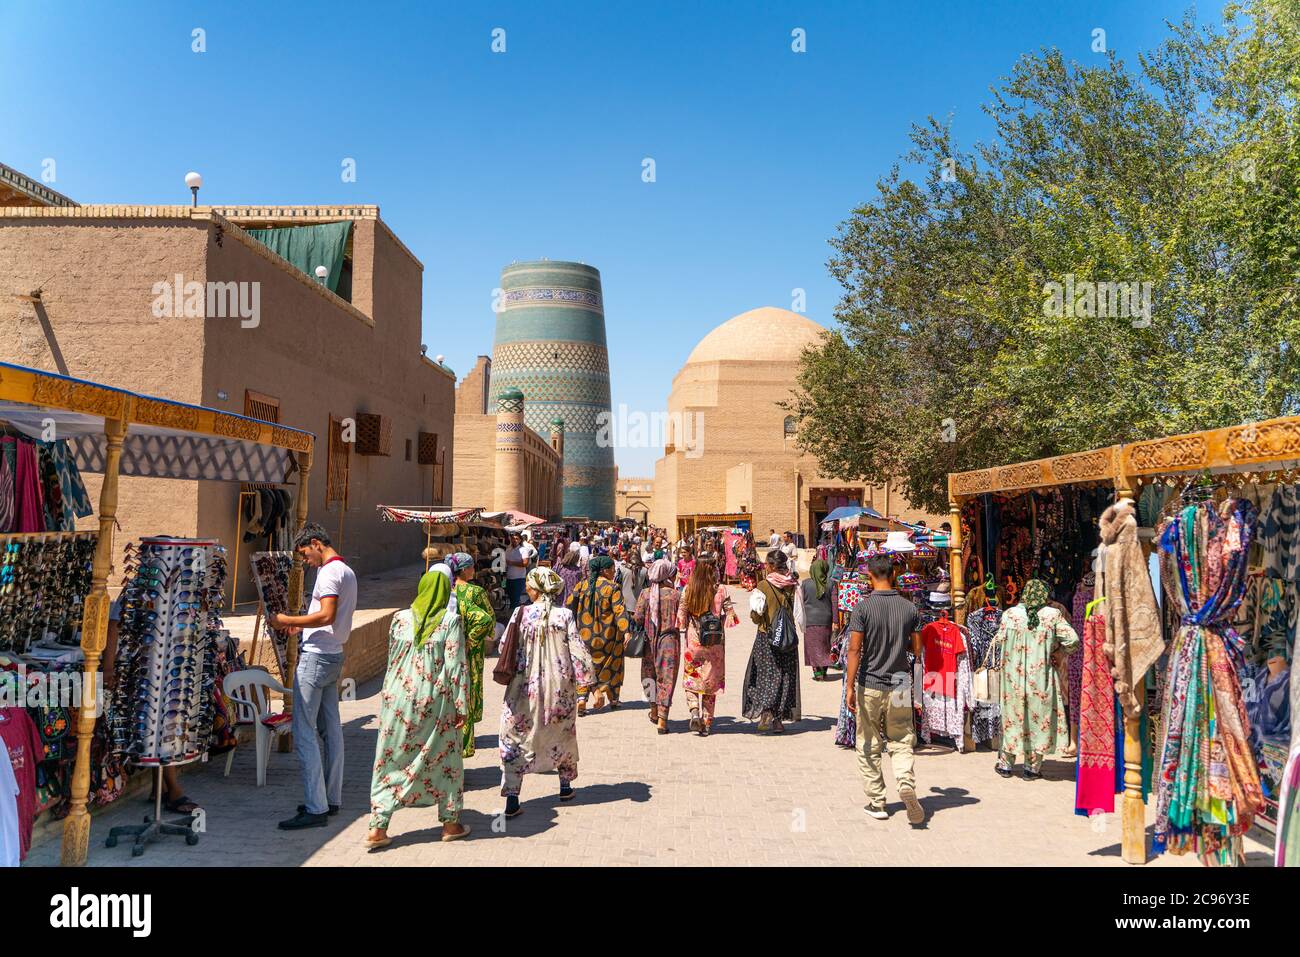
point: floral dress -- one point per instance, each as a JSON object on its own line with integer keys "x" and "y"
{"x": 539, "y": 718}
{"x": 602, "y": 621}
{"x": 1033, "y": 702}
{"x": 478, "y": 621}
{"x": 704, "y": 671}
{"x": 663, "y": 646}
{"x": 417, "y": 756}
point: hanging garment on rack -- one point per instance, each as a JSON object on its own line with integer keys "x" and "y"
{"x": 8, "y": 461}
{"x": 982, "y": 625}
{"x": 1279, "y": 534}
{"x": 1209, "y": 786}
{"x": 1134, "y": 640}
{"x": 11, "y": 851}
{"x": 18, "y": 735}
{"x": 946, "y": 692}
{"x": 76, "y": 501}
{"x": 1083, "y": 594}
{"x": 1097, "y": 768}
{"x": 28, "y": 506}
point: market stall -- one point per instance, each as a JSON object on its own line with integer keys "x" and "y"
{"x": 483, "y": 535}
{"x": 117, "y": 433}
{"x": 1214, "y": 514}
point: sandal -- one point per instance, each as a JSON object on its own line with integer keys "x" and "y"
{"x": 663, "y": 726}
{"x": 376, "y": 845}
{"x": 182, "y": 805}
{"x": 654, "y": 715}
{"x": 704, "y": 728}
{"x": 457, "y": 836}
{"x": 695, "y": 723}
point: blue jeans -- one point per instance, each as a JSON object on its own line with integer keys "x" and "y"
{"x": 316, "y": 717}
{"x": 515, "y": 591}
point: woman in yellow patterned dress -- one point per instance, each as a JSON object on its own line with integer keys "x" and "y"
{"x": 597, "y": 604}
{"x": 478, "y": 621}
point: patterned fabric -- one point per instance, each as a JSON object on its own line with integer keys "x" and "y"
{"x": 1208, "y": 783}
{"x": 478, "y": 621}
{"x": 1279, "y": 534}
{"x": 1096, "y": 779}
{"x": 705, "y": 667}
{"x": 75, "y": 498}
{"x": 417, "y": 756}
{"x": 602, "y": 621}
{"x": 663, "y": 646}
{"x": 1078, "y": 615}
{"x": 986, "y": 721}
{"x": 946, "y": 697}
{"x": 771, "y": 680}
{"x": 539, "y": 717}
{"x": 1033, "y": 713}
{"x": 8, "y": 462}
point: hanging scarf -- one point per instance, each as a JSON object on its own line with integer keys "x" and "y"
{"x": 430, "y": 603}
{"x": 1034, "y": 598}
{"x": 1208, "y": 784}
{"x": 661, "y": 574}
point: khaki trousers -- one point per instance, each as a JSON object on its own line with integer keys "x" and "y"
{"x": 876, "y": 712}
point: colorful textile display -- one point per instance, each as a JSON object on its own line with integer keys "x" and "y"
{"x": 1098, "y": 770}
{"x": 947, "y": 692}
{"x": 1209, "y": 789}
{"x": 982, "y": 624}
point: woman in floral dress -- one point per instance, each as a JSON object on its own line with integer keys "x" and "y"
{"x": 602, "y": 618}
{"x": 478, "y": 620}
{"x": 422, "y": 708}
{"x": 656, "y": 612}
{"x": 1032, "y": 637}
{"x": 770, "y": 694}
{"x": 539, "y": 726}
{"x": 705, "y": 666}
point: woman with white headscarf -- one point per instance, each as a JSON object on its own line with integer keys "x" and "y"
{"x": 539, "y": 717}
{"x": 422, "y": 710}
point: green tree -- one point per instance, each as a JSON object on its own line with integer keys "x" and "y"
{"x": 1180, "y": 173}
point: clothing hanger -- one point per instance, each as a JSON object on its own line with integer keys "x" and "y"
{"x": 1087, "y": 611}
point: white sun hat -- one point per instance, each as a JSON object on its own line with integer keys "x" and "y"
{"x": 898, "y": 542}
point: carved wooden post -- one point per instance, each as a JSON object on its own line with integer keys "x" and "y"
{"x": 94, "y": 635}
{"x": 1133, "y": 841}
{"x": 295, "y": 588}
{"x": 955, "y": 569}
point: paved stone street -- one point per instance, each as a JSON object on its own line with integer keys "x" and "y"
{"x": 733, "y": 798}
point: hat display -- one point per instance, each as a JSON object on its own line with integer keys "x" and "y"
{"x": 898, "y": 542}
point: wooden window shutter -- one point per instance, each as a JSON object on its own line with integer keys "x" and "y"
{"x": 428, "y": 454}
{"x": 259, "y": 405}
{"x": 337, "y": 465}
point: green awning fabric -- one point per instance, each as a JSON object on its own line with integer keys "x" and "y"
{"x": 310, "y": 246}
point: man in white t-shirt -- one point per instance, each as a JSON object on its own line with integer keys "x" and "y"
{"x": 774, "y": 540}
{"x": 519, "y": 559}
{"x": 325, "y": 630}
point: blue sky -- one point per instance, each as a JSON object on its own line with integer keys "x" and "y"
{"x": 478, "y": 158}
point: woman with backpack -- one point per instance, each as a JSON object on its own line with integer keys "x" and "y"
{"x": 656, "y": 612}
{"x": 771, "y": 692}
{"x": 705, "y": 610}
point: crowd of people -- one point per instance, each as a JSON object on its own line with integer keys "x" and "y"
{"x": 581, "y": 603}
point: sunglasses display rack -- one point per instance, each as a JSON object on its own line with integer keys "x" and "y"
{"x": 44, "y": 577}
{"x": 162, "y": 706}
{"x": 270, "y": 572}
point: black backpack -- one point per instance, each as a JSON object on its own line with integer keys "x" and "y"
{"x": 710, "y": 629}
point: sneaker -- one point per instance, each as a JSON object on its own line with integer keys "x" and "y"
{"x": 1002, "y": 772}
{"x": 566, "y": 791}
{"x": 333, "y": 809}
{"x": 512, "y": 805}
{"x": 876, "y": 811}
{"x": 304, "y": 820}
{"x": 1031, "y": 775}
{"x": 915, "y": 813}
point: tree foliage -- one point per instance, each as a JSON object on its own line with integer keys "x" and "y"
{"x": 1182, "y": 171}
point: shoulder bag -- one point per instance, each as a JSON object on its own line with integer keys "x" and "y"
{"x": 782, "y": 636}
{"x": 508, "y": 657}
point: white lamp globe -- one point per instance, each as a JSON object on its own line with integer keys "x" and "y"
{"x": 193, "y": 180}
{"x": 321, "y": 272}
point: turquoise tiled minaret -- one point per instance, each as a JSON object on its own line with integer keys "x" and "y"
{"x": 550, "y": 345}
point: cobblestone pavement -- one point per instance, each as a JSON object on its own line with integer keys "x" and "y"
{"x": 733, "y": 798}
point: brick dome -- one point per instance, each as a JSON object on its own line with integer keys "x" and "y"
{"x": 767, "y": 334}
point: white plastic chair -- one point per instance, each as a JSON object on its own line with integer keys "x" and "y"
{"x": 248, "y": 690}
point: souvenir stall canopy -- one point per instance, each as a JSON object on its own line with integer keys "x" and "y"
{"x": 482, "y": 535}
{"x": 1212, "y": 495}
{"x": 687, "y": 525}
{"x": 116, "y": 432}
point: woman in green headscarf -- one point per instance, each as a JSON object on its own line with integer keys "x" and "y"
{"x": 422, "y": 710}
{"x": 813, "y": 617}
{"x": 478, "y": 621}
{"x": 1030, "y": 635}
{"x": 603, "y": 621}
